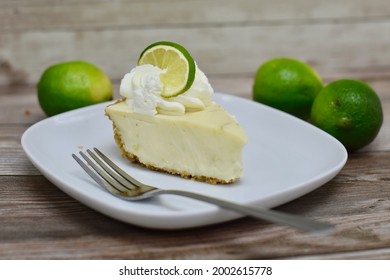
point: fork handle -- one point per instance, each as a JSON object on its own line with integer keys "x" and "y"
{"x": 260, "y": 213}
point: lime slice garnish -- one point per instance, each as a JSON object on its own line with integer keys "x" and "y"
{"x": 177, "y": 64}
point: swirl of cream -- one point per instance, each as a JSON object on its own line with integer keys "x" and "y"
{"x": 142, "y": 88}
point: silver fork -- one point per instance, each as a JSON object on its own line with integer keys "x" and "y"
{"x": 120, "y": 184}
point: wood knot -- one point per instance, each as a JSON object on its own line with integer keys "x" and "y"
{"x": 11, "y": 76}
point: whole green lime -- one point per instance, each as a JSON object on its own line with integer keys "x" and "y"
{"x": 350, "y": 110}
{"x": 288, "y": 85}
{"x": 71, "y": 85}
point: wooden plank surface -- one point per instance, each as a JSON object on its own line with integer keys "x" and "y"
{"x": 229, "y": 39}
{"x": 72, "y": 230}
{"x": 330, "y": 35}
{"x": 92, "y": 14}
{"x": 212, "y": 47}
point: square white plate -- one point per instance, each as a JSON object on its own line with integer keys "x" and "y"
{"x": 285, "y": 158}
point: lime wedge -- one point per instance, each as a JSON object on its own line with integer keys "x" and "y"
{"x": 177, "y": 64}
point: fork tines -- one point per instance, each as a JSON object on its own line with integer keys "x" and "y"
{"x": 106, "y": 173}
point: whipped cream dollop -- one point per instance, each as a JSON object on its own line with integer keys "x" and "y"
{"x": 142, "y": 89}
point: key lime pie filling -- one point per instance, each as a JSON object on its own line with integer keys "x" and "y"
{"x": 185, "y": 134}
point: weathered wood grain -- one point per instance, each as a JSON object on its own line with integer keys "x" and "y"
{"x": 331, "y": 35}
{"x": 48, "y": 15}
{"x": 229, "y": 39}
{"x": 375, "y": 254}
{"x": 356, "y": 201}
{"x": 19, "y": 106}
{"x": 325, "y": 46}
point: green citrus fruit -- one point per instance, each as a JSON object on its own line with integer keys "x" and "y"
{"x": 288, "y": 85}
{"x": 71, "y": 85}
{"x": 177, "y": 64}
{"x": 349, "y": 110}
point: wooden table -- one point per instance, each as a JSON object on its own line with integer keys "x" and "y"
{"x": 38, "y": 221}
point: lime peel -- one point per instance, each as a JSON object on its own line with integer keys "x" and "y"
{"x": 349, "y": 110}
{"x": 70, "y": 85}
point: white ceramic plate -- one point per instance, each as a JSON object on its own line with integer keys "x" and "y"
{"x": 285, "y": 158}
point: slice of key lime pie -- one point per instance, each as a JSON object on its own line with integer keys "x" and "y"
{"x": 167, "y": 120}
